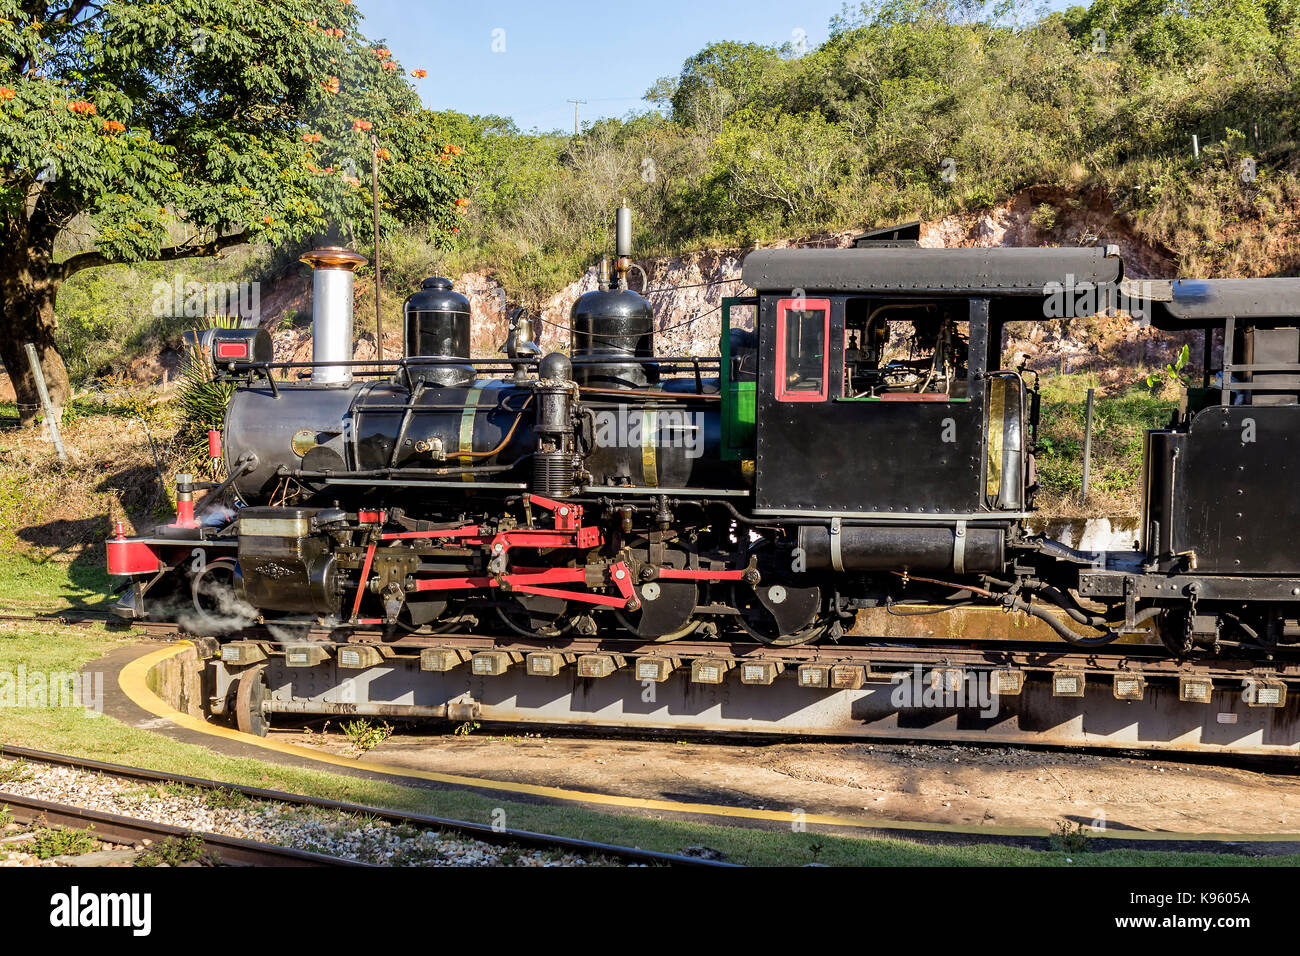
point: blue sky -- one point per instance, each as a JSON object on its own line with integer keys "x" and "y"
{"x": 608, "y": 54}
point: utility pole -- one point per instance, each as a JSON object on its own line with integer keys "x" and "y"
{"x": 51, "y": 415}
{"x": 379, "y": 312}
{"x": 576, "y": 104}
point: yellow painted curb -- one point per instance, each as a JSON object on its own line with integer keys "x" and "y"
{"x": 132, "y": 680}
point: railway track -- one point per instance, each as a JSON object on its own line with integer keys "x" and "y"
{"x": 485, "y": 833}
{"x": 132, "y": 831}
{"x": 1133, "y": 696}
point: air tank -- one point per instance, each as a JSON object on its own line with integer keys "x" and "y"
{"x": 436, "y": 324}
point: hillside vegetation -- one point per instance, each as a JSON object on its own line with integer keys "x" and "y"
{"x": 912, "y": 108}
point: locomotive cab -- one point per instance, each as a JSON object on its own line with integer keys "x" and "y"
{"x": 881, "y": 407}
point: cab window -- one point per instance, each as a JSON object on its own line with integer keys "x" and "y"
{"x": 802, "y": 361}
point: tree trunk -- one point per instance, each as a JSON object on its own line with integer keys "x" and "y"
{"x": 27, "y": 294}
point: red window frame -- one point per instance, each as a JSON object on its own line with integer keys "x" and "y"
{"x": 783, "y": 308}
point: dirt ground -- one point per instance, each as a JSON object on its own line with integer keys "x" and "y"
{"x": 878, "y": 783}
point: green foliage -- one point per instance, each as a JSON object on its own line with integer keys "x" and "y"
{"x": 173, "y": 851}
{"x": 202, "y": 400}
{"x": 51, "y": 842}
{"x": 1172, "y": 374}
{"x": 364, "y": 735}
{"x": 15, "y": 772}
{"x": 1067, "y": 839}
{"x": 1120, "y": 422}
{"x": 211, "y": 117}
{"x": 224, "y": 798}
{"x": 911, "y": 108}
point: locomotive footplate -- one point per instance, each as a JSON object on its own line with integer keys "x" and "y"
{"x": 1111, "y": 584}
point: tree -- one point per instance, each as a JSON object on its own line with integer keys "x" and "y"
{"x": 716, "y": 82}
{"x": 178, "y": 128}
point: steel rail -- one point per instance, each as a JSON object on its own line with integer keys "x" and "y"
{"x": 112, "y": 828}
{"x": 479, "y": 831}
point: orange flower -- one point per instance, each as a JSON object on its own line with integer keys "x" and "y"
{"x": 383, "y": 52}
{"x": 383, "y": 153}
{"x": 361, "y": 126}
{"x": 81, "y": 106}
{"x": 113, "y": 126}
{"x": 462, "y": 202}
{"x": 6, "y": 93}
{"x": 453, "y": 149}
{"x": 419, "y": 74}
{"x": 389, "y": 65}
{"x": 455, "y": 228}
{"x": 266, "y": 219}
{"x": 331, "y": 84}
{"x": 311, "y": 137}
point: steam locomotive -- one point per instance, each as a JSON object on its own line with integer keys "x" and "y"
{"x": 815, "y": 469}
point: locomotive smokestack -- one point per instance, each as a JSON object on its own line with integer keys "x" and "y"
{"x": 331, "y": 312}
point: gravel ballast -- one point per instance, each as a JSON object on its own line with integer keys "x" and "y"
{"x": 232, "y": 814}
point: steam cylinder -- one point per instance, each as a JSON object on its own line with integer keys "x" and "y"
{"x": 610, "y": 329}
{"x": 436, "y": 324}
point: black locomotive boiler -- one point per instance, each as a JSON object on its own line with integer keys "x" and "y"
{"x": 812, "y": 472}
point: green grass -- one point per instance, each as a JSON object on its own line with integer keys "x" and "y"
{"x": 51, "y": 842}
{"x": 43, "y": 587}
{"x": 71, "y": 731}
{"x": 1120, "y": 422}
